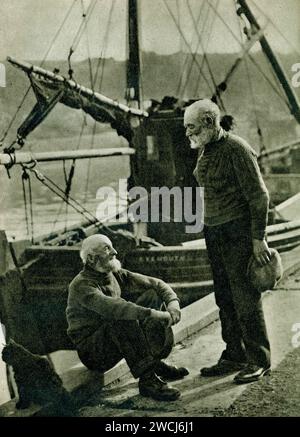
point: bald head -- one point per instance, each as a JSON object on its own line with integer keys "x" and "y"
{"x": 203, "y": 110}
{"x": 97, "y": 251}
{"x": 93, "y": 244}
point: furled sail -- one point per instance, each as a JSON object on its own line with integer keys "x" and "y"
{"x": 51, "y": 88}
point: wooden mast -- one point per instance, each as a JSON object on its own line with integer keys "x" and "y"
{"x": 278, "y": 69}
{"x": 133, "y": 64}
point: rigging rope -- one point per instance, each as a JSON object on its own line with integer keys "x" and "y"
{"x": 268, "y": 80}
{"x": 25, "y": 202}
{"x": 89, "y": 165}
{"x": 247, "y": 32}
{"x": 68, "y": 182}
{"x": 102, "y": 58}
{"x": 13, "y": 119}
{"x": 258, "y": 127}
{"x": 72, "y": 169}
{"x": 92, "y": 84}
{"x": 205, "y": 58}
{"x": 88, "y": 46}
{"x": 60, "y": 193}
{"x": 78, "y": 35}
{"x": 207, "y": 43}
{"x": 58, "y": 32}
{"x": 4, "y": 135}
{"x": 277, "y": 28}
{"x": 98, "y": 87}
{"x": 81, "y": 27}
{"x": 93, "y": 220}
{"x": 26, "y": 177}
{"x": 31, "y": 210}
{"x": 249, "y": 55}
{"x": 224, "y": 22}
{"x": 283, "y": 96}
{"x": 188, "y": 45}
{"x": 178, "y": 17}
{"x": 187, "y": 58}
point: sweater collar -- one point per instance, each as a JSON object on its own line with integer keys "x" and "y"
{"x": 217, "y": 138}
{"x": 94, "y": 274}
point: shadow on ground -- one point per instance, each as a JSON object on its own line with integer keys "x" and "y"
{"x": 277, "y": 395}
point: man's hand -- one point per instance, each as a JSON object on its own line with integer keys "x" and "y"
{"x": 174, "y": 309}
{"x": 261, "y": 251}
{"x": 163, "y": 316}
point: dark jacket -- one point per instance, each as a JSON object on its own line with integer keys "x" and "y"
{"x": 97, "y": 297}
{"x": 233, "y": 185}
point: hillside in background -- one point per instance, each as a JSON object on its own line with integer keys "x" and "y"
{"x": 161, "y": 76}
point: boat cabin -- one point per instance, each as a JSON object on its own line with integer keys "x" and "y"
{"x": 164, "y": 159}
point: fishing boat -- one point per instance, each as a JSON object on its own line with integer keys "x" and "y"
{"x": 35, "y": 272}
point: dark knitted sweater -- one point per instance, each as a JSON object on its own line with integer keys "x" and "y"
{"x": 96, "y": 297}
{"x": 233, "y": 185}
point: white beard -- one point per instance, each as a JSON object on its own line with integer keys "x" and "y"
{"x": 198, "y": 141}
{"x": 193, "y": 144}
{"x": 114, "y": 265}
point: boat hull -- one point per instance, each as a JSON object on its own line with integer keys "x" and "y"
{"x": 33, "y": 305}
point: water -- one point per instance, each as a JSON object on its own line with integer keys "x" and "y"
{"x": 89, "y": 176}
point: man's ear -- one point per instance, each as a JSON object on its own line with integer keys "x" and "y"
{"x": 90, "y": 258}
{"x": 209, "y": 121}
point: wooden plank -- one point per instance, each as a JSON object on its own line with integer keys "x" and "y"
{"x": 290, "y": 209}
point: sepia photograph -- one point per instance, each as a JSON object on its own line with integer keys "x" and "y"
{"x": 150, "y": 211}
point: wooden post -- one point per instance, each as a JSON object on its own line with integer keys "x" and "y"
{"x": 6, "y": 261}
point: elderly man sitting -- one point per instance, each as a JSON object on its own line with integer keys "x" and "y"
{"x": 105, "y": 324}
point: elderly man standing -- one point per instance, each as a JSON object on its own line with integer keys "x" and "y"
{"x": 235, "y": 218}
{"x": 105, "y": 326}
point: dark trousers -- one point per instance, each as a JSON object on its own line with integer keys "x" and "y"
{"x": 141, "y": 343}
{"x": 243, "y": 326}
